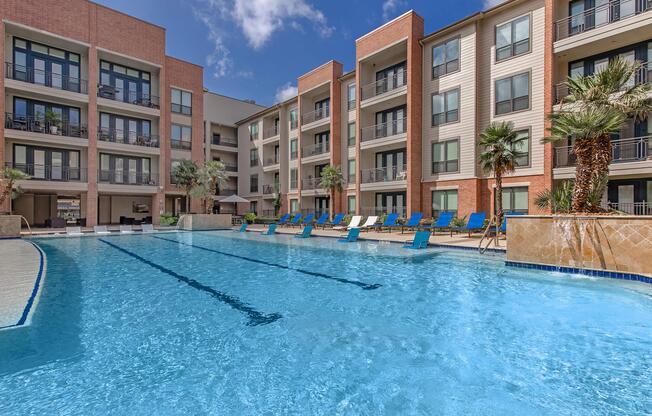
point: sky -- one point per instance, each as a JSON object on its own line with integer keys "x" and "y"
{"x": 256, "y": 49}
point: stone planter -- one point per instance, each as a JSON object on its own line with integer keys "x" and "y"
{"x": 9, "y": 226}
{"x": 197, "y": 222}
{"x": 621, "y": 244}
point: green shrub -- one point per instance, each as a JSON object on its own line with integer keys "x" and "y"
{"x": 250, "y": 217}
{"x": 168, "y": 219}
{"x": 459, "y": 222}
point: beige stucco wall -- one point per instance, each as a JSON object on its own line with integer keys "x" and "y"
{"x": 206, "y": 221}
{"x": 614, "y": 243}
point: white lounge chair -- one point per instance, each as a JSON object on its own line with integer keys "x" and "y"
{"x": 126, "y": 229}
{"x": 355, "y": 222}
{"x": 148, "y": 228}
{"x": 74, "y": 231}
{"x": 369, "y": 223}
{"x": 101, "y": 230}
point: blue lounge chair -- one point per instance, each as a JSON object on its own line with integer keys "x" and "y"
{"x": 308, "y": 219}
{"x": 413, "y": 222}
{"x": 243, "y": 227}
{"x": 322, "y": 219}
{"x": 336, "y": 221}
{"x": 296, "y": 220}
{"x": 283, "y": 219}
{"x": 271, "y": 230}
{"x": 476, "y": 223}
{"x": 305, "y": 233}
{"x": 421, "y": 239}
{"x": 442, "y": 223}
{"x": 503, "y": 226}
{"x": 390, "y": 221}
{"x": 351, "y": 237}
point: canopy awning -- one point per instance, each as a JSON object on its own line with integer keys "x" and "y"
{"x": 234, "y": 199}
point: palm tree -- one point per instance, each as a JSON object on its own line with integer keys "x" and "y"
{"x": 499, "y": 156}
{"x": 597, "y": 107}
{"x": 333, "y": 180}
{"x": 8, "y": 178}
{"x": 209, "y": 176}
{"x": 186, "y": 176}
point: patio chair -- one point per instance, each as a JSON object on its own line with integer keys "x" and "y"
{"x": 148, "y": 228}
{"x": 336, "y": 221}
{"x": 354, "y": 223}
{"x": 421, "y": 239}
{"x": 243, "y": 227}
{"x": 442, "y": 223}
{"x": 475, "y": 224}
{"x": 371, "y": 220}
{"x": 351, "y": 237}
{"x": 322, "y": 219}
{"x": 390, "y": 221}
{"x": 74, "y": 231}
{"x": 295, "y": 221}
{"x": 101, "y": 230}
{"x": 126, "y": 229}
{"x": 308, "y": 219}
{"x": 305, "y": 233}
{"x": 283, "y": 219}
{"x": 413, "y": 222}
{"x": 271, "y": 230}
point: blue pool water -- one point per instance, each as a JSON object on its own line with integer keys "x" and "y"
{"x": 233, "y": 324}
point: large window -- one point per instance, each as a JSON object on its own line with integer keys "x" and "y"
{"x": 40, "y": 64}
{"x": 253, "y": 183}
{"x": 181, "y": 137}
{"x": 294, "y": 119}
{"x": 294, "y": 205}
{"x": 512, "y": 93}
{"x": 253, "y": 157}
{"x": 351, "y": 135}
{"x": 391, "y": 78}
{"x": 351, "y": 204}
{"x": 44, "y": 163}
{"x": 444, "y": 201}
{"x": 446, "y": 107}
{"x": 445, "y": 156}
{"x": 446, "y": 58}
{"x": 350, "y": 97}
{"x": 351, "y": 171}
{"x": 522, "y": 146}
{"x": 253, "y": 207}
{"x": 294, "y": 178}
{"x": 181, "y": 102}
{"x": 127, "y": 130}
{"x": 515, "y": 199}
{"x": 253, "y": 131}
{"x": 121, "y": 83}
{"x": 29, "y": 115}
{"x": 513, "y": 38}
{"x": 294, "y": 149}
{"x": 121, "y": 169}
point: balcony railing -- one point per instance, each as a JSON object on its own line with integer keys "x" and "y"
{"x": 51, "y": 172}
{"x": 46, "y": 78}
{"x": 315, "y": 149}
{"x": 599, "y": 16}
{"x": 39, "y": 125}
{"x": 316, "y": 115}
{"x": 269, "y": 213}
{"x": 270, "y": 132}
{"x": 632, "y": 208}
{"x": 384, "y": 85}
{"x": 387, "y": 174}
{"x": 643, "y": 75}
{"x": 311, "y": 183}
{"x": 271, "y": 161}
{"x": 230, "y": 167}
{"x": 127, "y": 137}
{"x": 227, "y": 191}
{"x": 126, "y": 96}
{"x": 224, "y": 141}
{"x": 623, "y": 150}
{"x": 269, "y": 189}
{"x": 388, "y": 129}
{"x": 126, "y": 177}
{"x": 180, "y": 144}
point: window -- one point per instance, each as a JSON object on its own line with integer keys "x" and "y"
{"x": 446, "y": 58}
{"x": 253, "y": 157}
{"x": 350, "y": 95}
{"x": 351, "y": 204}
{"x": 515, "y": 199}
{"x": 253, "y": 131}
{"x": 181, "y": 137}
{"x": 512, "y": 94}
{"x": 40, "y": 64}
{"x": 253, "y": 207}
{"x": 125, "y": 169}
{"x": 322, "y": 108}
{"x": 294, "y": 119}
{"x": 47, "y": 163}
{"x": 294, "y": 178}
{"x": 444, "y": 201}
{"x": 125, "y": 84}
{"x": 294, "y": 149}
{"x": 391, "y": 78}
{"x": 351, "y": 134}
{"x": 181, "y": 102}
{"x": 120, "y": 129}
{"x": 445, "y": 107}
{"x": 513, "y": 38}
{"x": 294, "y": 205}
{"x": 253, "y": 183}
{"x": 445, "y": 156}
{"x": 351, "y": 171}
{"x": 522, "y": 146}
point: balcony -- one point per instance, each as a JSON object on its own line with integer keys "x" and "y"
{"x": 383, "y": 86}
{"x": 180, "y": 144}
{"x": 623, "y": 151}
{"x": 642, "y": 76}
{"x": 127, "y": 137}
{"x": 230, "y": 167}
{"x": 614, "y": 11}
{"x": 125, "y": 177}
{"x": 110, "y": 92}
{"x": 55, "y": 173}
{"x": 39, "y": 125}
{"x": 315, "y": 149}
{"x": 271, "y": 161}
{"x": 271, "y": 132}
{"x": 224, "y": 141}
{"x": 632, "y": 208}
{"x": 311, "y": 184}
{"x": 45, "y": 78}
{"x": 387, "y": 174}
{"x": 316, "y": 115}
{"x": 383, "y": 130}
{"x": 269, "y": 189}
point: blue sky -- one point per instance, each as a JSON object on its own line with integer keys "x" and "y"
{"x": 256, "y": 49}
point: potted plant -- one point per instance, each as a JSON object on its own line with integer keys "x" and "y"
{"x": 53, "y": 120}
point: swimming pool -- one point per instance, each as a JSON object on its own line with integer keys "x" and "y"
{"x": 230, "y": 323}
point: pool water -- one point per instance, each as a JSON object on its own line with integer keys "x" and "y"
{"x": 241, "y": 324}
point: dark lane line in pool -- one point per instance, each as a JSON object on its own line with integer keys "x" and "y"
{"x": 255, "y": 317}
{"x": 363, "y": 285}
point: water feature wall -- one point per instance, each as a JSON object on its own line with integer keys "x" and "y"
{"x": 613, "y": 243}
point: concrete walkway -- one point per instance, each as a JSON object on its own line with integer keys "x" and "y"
{"x": 22, "y": 270}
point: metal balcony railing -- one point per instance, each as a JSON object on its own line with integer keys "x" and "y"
{"x": 126, "y": 96}
{"x": 39, "y": 125}
{"x": 271, "y": 161}
{"x": 227, "y": 191}
{"x": 224, "y": 141}
{"x": 50, "y": 172}
{"x": 388, "y": 129}
{"x": 271, "y": 132}
{"x": 387, "y": 174}
{"x": 46, "y": 78}
{"x": 126, "y": 177}
{"x": 601, "y": 15}
{"x": 269, "y": 189}
{"x": 311, "y": 183}
{"x": 384, "y": 85}
{"x": 315, "y": 149}
{"x": 316, "y": 115}
{"x": 623, "y": 150}
{"x": 127, "y": 137}
{"x": 230, "y": 167}
{"x": 180, "y": 144}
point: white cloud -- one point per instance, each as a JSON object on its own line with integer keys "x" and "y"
{"x": 390, "y": 7}
{"x": 285, "y": 92}
{"x": 488, "y": 4}
{"x": 219, "y": 59}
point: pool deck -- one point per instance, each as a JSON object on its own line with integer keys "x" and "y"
{"x": 438, "y": 239}
{"x": 22, "y": 268}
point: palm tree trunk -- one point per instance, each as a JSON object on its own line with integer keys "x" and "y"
{"x": 584, "y": 151}
{"x": 499, "y": 199}
{"x": 602, "y": 157}
{"x": 187, "y": 203}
